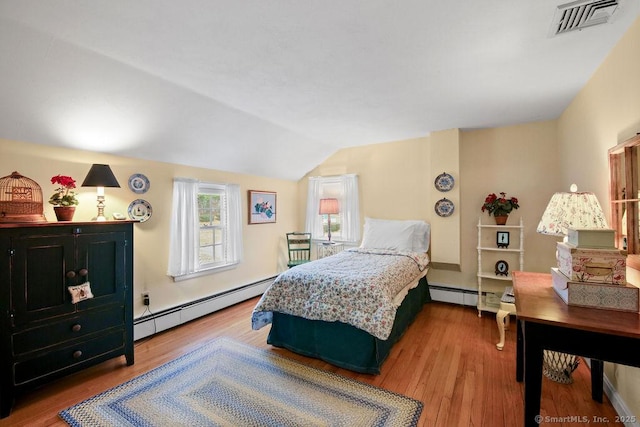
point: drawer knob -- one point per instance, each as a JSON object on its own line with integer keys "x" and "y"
{"x": 77, "y": 354}
{"x": 71, "y": 274}
{"x": 83, "y": 272}
{"x": 76, "y": 327}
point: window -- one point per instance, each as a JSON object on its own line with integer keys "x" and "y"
{"x": 625, "y": 197}
{"x": 206, "y": 228}
{"x": 345, "y": 225}
{"x": 212, "y": 220}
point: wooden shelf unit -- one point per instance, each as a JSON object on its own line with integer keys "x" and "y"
{"x": 490, "y": 285}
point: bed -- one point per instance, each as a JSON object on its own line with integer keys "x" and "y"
{"x": 349, "y": 309}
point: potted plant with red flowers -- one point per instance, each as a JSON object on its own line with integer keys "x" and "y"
{"x": 64, "y": 199}
{"x": 500, "y": 207}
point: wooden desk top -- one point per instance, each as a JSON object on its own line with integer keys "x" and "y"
{"x": 536, "y": 301}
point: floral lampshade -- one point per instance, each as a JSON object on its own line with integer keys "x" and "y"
{"x": 575, "y": 210}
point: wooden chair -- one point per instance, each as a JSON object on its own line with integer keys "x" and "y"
{"x": 299, "y": 245}
{"x": 507, "y": 308}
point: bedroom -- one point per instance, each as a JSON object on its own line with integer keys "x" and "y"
{"x": 571, "y": 148}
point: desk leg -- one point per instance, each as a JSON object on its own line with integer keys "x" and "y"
{"x": 533, "y": 355}
{"x": 519, "y": 351}
{"x": 597, "y": 373}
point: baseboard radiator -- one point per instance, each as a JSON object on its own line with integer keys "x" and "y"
{"x": 453, "y": 295}
{"x": 153, "y": 323}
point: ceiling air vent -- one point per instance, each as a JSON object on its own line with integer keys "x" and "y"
{"x": 581, "y": 14}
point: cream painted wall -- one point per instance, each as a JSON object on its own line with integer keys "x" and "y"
{"x": 444, "y": 156}
{"x": 264, "y": 244}
{"x": 605, "y": 113}
{"x": 396, "y": 182}
{"x": 392, "y": 178}
{"x": 521, "y": 161}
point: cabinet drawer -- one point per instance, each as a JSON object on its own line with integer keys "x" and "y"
{"x": 67, "y": 357}
{"x": 70, "y": 328}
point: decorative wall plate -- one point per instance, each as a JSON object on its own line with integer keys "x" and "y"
{"x": 444, "y": 182}
{"x": 140, "y": 210}
{"x": 444, "y": 207}
{"x": 139, "y": 183}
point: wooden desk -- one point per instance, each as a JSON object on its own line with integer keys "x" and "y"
{"x": 545, "y": 322}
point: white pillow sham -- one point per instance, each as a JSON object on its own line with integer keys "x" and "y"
{"x": 399, "y": 235}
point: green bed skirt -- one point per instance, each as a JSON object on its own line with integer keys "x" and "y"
{"x": 344, "y": 345}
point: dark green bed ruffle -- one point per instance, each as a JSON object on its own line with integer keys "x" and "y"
{"x": 344, "y": 345}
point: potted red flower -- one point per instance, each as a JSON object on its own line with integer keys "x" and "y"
{"x": 64, "y": 198}
{"x": 500, "y": 207}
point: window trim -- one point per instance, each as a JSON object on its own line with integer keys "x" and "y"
{"x": 349, "y": 207}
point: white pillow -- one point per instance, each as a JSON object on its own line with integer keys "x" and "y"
{"x": 406, "y": 236}
{"x": 421, "y": 236}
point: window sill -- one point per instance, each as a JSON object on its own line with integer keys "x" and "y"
{"x": 206, "y": 272}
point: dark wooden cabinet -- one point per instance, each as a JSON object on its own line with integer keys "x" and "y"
{"x": 44, "y": 334}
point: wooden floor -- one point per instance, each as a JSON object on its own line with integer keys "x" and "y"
{"x": 447, "y": 359}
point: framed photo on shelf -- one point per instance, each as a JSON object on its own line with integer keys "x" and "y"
{"x": 502, "y": 239}
{"x": 262, "y": 207}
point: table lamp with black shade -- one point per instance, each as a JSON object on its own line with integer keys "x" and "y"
{"x": 100, "y": 176}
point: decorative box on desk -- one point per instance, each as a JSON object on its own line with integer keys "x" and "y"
{"x": 592, "y": 265}
{"x": 597, "y": 238}
{"x": 623, "y": 297}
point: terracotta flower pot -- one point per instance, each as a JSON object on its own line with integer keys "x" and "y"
{"x": 501, "y": 220}
{"x": 64, "y": 213}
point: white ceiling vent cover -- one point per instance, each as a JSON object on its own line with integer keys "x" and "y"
{"x": 582, "y": 14}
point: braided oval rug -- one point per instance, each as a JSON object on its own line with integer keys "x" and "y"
{"x": 228, "y": 383}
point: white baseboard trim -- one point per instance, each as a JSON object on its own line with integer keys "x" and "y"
{"x": 619, "y": 405}
{"x": 152, "y": 324}
{"x": 626, "y": 416}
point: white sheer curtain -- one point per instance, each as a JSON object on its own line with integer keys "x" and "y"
{"x": 348, "y": 196}
{"x": 350, "y": 209}
{"x": 185, "y": 227}
{"x": 234, "y": 223}
{"x": 184, "y": 235}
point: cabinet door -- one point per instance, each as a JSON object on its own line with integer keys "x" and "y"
{"x": 39, "y": 267}
{"x": 102, "y": 263}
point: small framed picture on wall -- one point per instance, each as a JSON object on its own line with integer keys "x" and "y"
{"x": 262, "y": 207}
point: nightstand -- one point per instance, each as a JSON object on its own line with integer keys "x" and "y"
{"x": 326, "y": 249}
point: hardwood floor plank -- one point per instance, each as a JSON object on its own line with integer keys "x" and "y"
{"x": 447, "y": 359}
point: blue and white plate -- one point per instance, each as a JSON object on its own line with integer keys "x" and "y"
{"x": 444, "y": 182}
{"x": 444, "y": 207}
{"x": 139, "y": 183}
{"x": 140, "y": 210}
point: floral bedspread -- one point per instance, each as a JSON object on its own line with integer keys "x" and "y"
{"x": 356, "y": 286}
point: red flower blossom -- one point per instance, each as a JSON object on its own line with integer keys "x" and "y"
{"x": 63, "y": 195}
{"x": 499, "y": 206}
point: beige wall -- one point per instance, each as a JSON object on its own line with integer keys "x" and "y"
{"x": 264, "y": 244}
{"x": 396, "y": 182}
{"x": 606, "y": 112}
{"x": 521, "y": 161}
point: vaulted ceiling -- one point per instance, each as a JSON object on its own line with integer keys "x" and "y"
{"x": 272, "y": 88}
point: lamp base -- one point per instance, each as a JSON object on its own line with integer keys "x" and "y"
{"x": 100, "y": 217}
